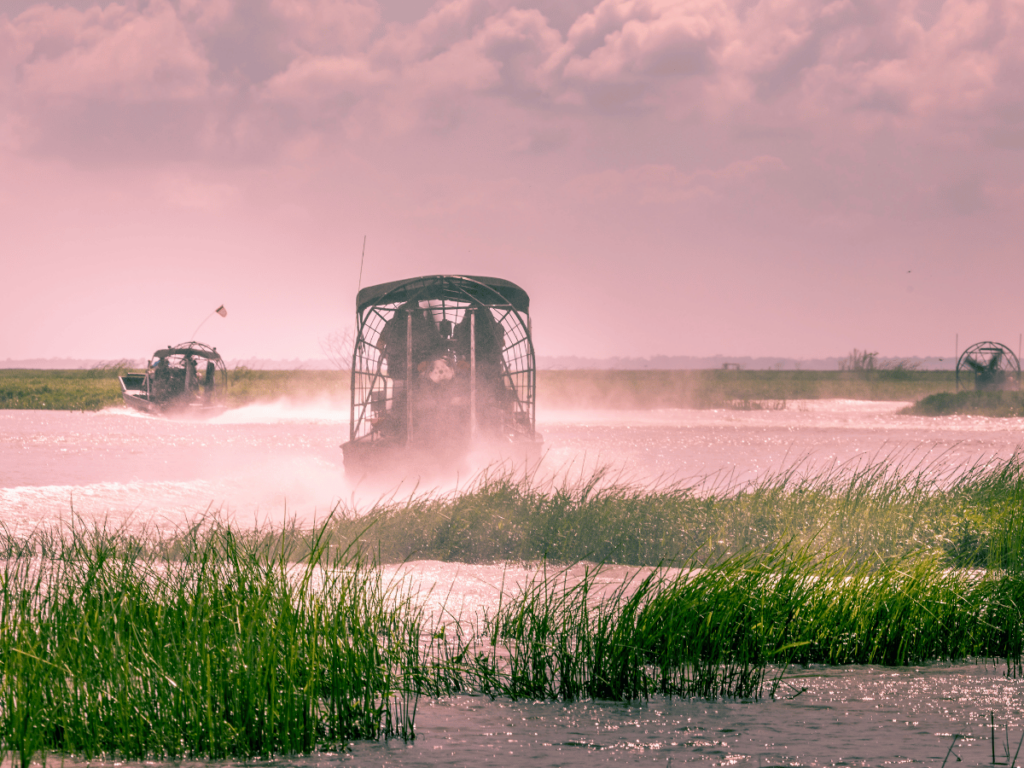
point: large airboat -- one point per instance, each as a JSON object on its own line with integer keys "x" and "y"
{"x": 443, "y": 367}
{"x": 185, "y": 379}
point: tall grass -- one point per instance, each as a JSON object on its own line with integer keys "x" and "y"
{"x": 217, "y": 643}
{"x": 228, "y": 650}
{"x": 79, "y": 390}
{"x": 976, "y": 403}
{"x": 735, "y": 628}
{"x": 971, "y": 517}
{"x": 98, "y": 388}
{"x": 718, "y": 388}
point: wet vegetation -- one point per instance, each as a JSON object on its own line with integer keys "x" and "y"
{"x": 214, "y": 643}
{"x": 971, "y": 518}
{"x": 731, "y": 388}
{"x": 217, "y": 646}
{"x": 971, "y": 403}
{"x": 97, "y": 388}
{"x": 74, "y": 390}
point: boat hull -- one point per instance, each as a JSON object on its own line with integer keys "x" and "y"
{"x": 135, "y": 395}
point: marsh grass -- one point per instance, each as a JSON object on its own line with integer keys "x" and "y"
{"x": 971, "y": 517}
{"x": 98, "y": 388}
{"x": 227, "y": 650}
{"x": 729, "y": 388}
{"x": 81, "y": 390}
{"x": 971, "y": 403}
{"x": 735, "y": 628}
{"x": 213, "y": 643}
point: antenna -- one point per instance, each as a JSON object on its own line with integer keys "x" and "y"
{"x": 361, "y": 260}
{"x": 218, "y": 311}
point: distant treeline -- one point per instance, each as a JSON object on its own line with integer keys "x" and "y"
{"x": 96, "y": 388}
{"x": 688, "y": 363}
{"x": 751, "y": 390}
{"x": 564, "y": 363}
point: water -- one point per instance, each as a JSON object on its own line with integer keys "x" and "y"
{"x": 276, "y": 462}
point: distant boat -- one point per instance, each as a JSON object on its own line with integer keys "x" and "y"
{"x": 443, "y": 366}
{"x": 186, "y": 379}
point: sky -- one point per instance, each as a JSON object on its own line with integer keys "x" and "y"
{"x": 663, "y": 177}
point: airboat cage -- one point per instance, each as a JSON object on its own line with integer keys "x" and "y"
{"x": 177, "y": 379}
{"x": 990, "y": 365}
{"x": 440, "y": 361}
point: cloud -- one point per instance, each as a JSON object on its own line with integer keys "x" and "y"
{"x": 635, "y": 40}
{"x": 665, "y": 184}
{"x": 186, "y": 190}
{"x": 250, "y": 79}
{"x": 313, "y": 78}
{"x": 116, "y": 53}
{"x": 326, "y": 26}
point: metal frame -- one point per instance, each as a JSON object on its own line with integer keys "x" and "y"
{"x": 449, "y": 300}
{"x": 189, "y": 349}
{"x": 978, "y": 358}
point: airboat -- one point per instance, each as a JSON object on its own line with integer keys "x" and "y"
{"x": 992, "y": 367}
{"x": 182, "y": 380}
{"x": 443, "y": 367}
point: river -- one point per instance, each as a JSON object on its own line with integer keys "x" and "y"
{"x": 281, "y": 461}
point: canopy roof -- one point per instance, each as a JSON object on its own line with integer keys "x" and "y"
{"x": 193, "y": 348}
{"x": 489, "y": 291}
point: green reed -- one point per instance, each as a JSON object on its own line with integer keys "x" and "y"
{"x": 92, "y": 389}
{"x": 717, "y": 388}
{"x": 229, "y": 650}
{"x": 999, "y": 404}
{"x": 78, "y": 390}
{"x": 215, "y": 643}
{"x": 735, "y": 628}
{"x": 971, "y": 517}
{"x": 96, "y": 388}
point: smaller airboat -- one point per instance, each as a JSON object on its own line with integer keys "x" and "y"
{"x": 443, "y": 367}
{"x": 181, "y": 380}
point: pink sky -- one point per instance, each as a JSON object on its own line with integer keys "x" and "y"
{"x": 688, "y": 177}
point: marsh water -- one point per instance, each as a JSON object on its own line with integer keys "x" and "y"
{"x": 281, "y": 461}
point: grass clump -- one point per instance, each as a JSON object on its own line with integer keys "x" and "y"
{"x": 96, "y": 388}
{"x": 734, "y": 629}
{"x": 969, "y": 402}
{"x": 969, "y": 518}
{"x": 81, "y": 390}
{"x": 640, "y": 390}
{"x": 225, "y": 651}
{"x": 218, "y": 644}
{"x": 222, "y": 644}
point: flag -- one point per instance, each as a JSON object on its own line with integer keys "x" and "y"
{"x": 221, "y": 311}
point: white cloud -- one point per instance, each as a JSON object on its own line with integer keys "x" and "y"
{"x": 311, "y": 78}
{"x": 113, "y": 53}
{"x": 635, "y": 39}
{"x": 661, "y": 184}
{"x": 326, "y": 26}
{"x": 837, "y": 70}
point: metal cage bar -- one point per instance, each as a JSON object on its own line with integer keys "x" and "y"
{"x": 379, "y": 388}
